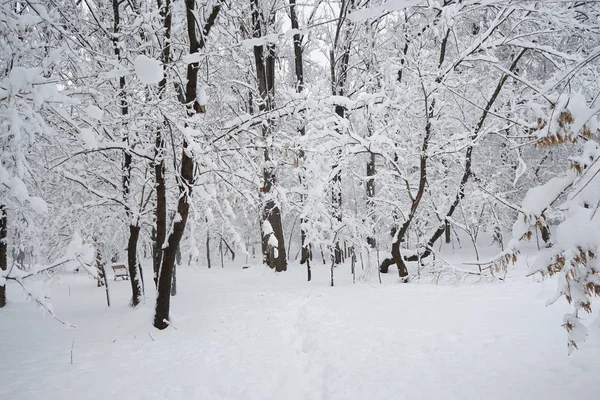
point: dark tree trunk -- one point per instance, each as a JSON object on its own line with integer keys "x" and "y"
{"x": 186, "y": 181}
{"x": 100, "y": 267}
{"x": 448, "y": 236}
{"x": 160, "y": 230}
{"x": 416, "y": 201}
{"x": 208, "y": 249}
{"x": 136, "y": 287}
{"x": 174, "y": 281}
{"x": 385, "y": 265}
{"x": 127, "y": 167}
{"x": 142, "y": 283}
{"x": 161, "y": 204}
{"x": 339, "y": 75}
{"x": 275, "y": 259}
{"x": 221, "y": 252}
{"x": 3, "y": 250}
{"x": 371, "y": 170}
{"x": 264, "y": 57}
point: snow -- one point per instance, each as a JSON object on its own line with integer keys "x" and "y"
{"x": 377, "y": 11}
{"x": 94, "y": 112}
{"x": 38, "y": 205}
{"x": 265, "y": 39}
{"x": 193, "y": 58}
{"x": 89, "y": 138}
{"x": 270, "y": 234}
{"x": 538, "y": 199}
{"x": 255, "y": 334}
{"x": 201, "y": 96}
{"x": 148, "y": 70}
{"x": 579, "y": 229}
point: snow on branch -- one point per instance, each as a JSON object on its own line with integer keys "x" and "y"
{"x": 575, "y": 254}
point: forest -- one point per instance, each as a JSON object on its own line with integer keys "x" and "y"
{"x": 368, "y": 173}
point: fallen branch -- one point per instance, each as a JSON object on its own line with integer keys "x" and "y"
{"x": 44, "y": 305}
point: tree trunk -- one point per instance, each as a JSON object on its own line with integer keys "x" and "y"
{"x": 186, "y": 181}
{"x": 299, "y": 70}
{"x": 127, "y": 168}
{"x": 136, "y": 286}
{"x": 161, "y": 204}
{"x": 264, "y": 57}
{"x": 100, "y": 267}
{"x": 174, "y": 281}
{"x": 3, "y": 250}
{"x": 159, "y": 148}
{"x": 208, "y": 249}
{"x": 275, "y": 259}
{"x": 339, "y": 75}
{"x": 371, "y": 170}
{"x": 141, "y": 272}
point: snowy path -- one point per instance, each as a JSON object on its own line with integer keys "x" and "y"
{"x": 252, "y": 334}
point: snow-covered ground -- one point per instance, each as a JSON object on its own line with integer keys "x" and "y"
{"x": 254, "y": 334}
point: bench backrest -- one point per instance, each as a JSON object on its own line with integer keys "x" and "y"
{"x": 119, "y": 268}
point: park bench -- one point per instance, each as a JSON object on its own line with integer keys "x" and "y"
{"x": 120, "y": 271}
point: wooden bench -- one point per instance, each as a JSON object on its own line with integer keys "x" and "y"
{"x": 120, "y": 271}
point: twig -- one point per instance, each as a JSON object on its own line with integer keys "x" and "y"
{"x": 44, "y": 306}
{"x": 166, "y": 321}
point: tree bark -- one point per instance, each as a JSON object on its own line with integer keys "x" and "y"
{"x": 3, "y": 250}
{"x": 174, "y": 281}
{"x": 208, "y": 249}
{"x": 371, "y": 171}
{"x": 100, "y": 267}
{"x": 161, "y": 204}
{"x": 136, "y": 286}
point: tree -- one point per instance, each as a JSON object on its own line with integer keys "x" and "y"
{"x": 186, "y": 174}
{"x": 574, "y": 256}
{"x": 274, "y": 252}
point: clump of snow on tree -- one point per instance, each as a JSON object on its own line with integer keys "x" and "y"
{"x": 94, "y": 112}
{"x": 268, "y": 233}
{"x": 201, "y": 96}
{"x": 148, "y": 70}
{"x": 89, "y": 138}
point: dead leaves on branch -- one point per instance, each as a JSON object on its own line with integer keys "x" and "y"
{"x": 563, "y": 131}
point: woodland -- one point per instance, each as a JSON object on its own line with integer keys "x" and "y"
{"x": 354, "y": 138}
